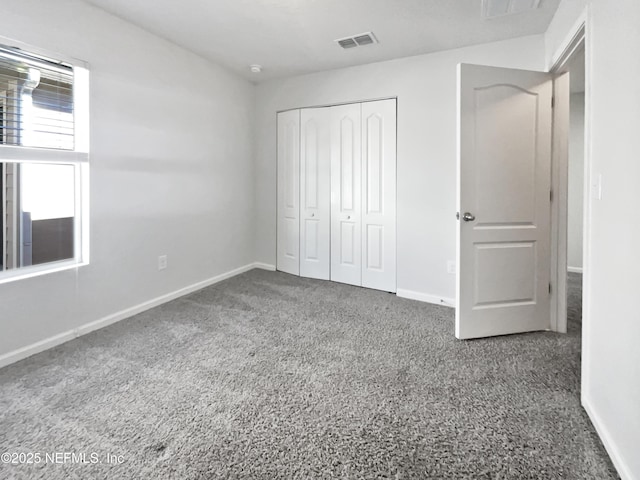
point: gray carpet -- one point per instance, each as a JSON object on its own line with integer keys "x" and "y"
{"x": 267, "y": 375}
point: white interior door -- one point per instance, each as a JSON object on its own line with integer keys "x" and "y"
{"x": 379, "y": 195}
{"x": 504, "y": 174}
{"x": 315, "y": 190}
{"x": 346, "y": 215}
{"x": 288, "y": 229}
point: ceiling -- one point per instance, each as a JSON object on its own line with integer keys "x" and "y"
{"x": 292, "y": 37}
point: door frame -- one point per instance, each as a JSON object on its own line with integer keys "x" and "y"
{"x": 584, "y": 27}
{"x": 560, "y": 182}
{"x": 578, "y": 36}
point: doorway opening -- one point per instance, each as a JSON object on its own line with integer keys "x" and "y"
{"x": 575, "y": 187}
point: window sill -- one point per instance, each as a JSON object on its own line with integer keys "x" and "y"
{"x": 37, "y": 270}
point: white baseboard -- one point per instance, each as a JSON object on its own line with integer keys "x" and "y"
{"x": 574, "y": 269}
{"x": 265, "y": 266}
{"x": 42, "y": 345}
{"x": 423, "y": 297}
{"x": 610, "y": 446}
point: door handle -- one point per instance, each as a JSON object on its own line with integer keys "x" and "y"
{"x": 468, "y": 217}
{"x": 313, "y": 215}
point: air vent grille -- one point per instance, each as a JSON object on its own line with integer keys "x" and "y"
{"x": 363, "y": 40}
{"x": 359, "y": 40}
{"x": 501, "y": 8}
{"x": 347, "y": 43}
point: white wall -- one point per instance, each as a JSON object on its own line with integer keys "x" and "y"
{"x": 576, "y": 182}
{"x": 171, "y": 171}
{"x": 611, "y": 332}
{"x": 426, "y": 90}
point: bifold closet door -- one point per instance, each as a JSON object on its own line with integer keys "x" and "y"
{"x": 315, "y": 190}
{"x": 346, "y": 220}
{"x": 337, "y": 193}
{"x": 379, "y": 195}
{"x": 288, "y": 187}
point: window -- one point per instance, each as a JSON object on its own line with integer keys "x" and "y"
{"x": 44, "y": 153}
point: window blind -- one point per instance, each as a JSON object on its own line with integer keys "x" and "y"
{"x": 36, "y": 101}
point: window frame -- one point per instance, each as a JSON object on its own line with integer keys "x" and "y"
{"x": 78, "y": 158}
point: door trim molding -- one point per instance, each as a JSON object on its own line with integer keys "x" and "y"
{"x": 559, "y": 205}
{"x": 570, "y": 45}
{"x": 339, "y": 104}
{"x": 576, "y": 36}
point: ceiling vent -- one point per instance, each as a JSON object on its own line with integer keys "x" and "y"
{"x": 357, "y": 40}
{"x": 502, "y": 8}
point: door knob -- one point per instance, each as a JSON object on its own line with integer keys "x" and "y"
{"x": 313, "y": 214}
{"x": 348, "y": 217}
{"x": 468, "y": 217}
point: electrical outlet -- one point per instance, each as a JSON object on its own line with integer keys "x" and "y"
{"x": 162, "y": 262}
{"x": 451, "y": 267}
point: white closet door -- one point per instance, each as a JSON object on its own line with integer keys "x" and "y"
{"x": 379, "y": 195}
{"x": 315, "y": 190}
{"x": 288, "y": 234}
{"x": 346, "y": 194}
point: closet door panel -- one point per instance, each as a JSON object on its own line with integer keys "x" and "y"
{"x": 379, "y": 195}
{"x": 288, "y": 228}
{"x": 315, "y": 189}
{"x": 346, "y": 194}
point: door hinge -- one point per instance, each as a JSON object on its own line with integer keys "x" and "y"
{"x": 553, "y": 102}
{"x": 551, "y": 195}
{"x": 549, "y": 287}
